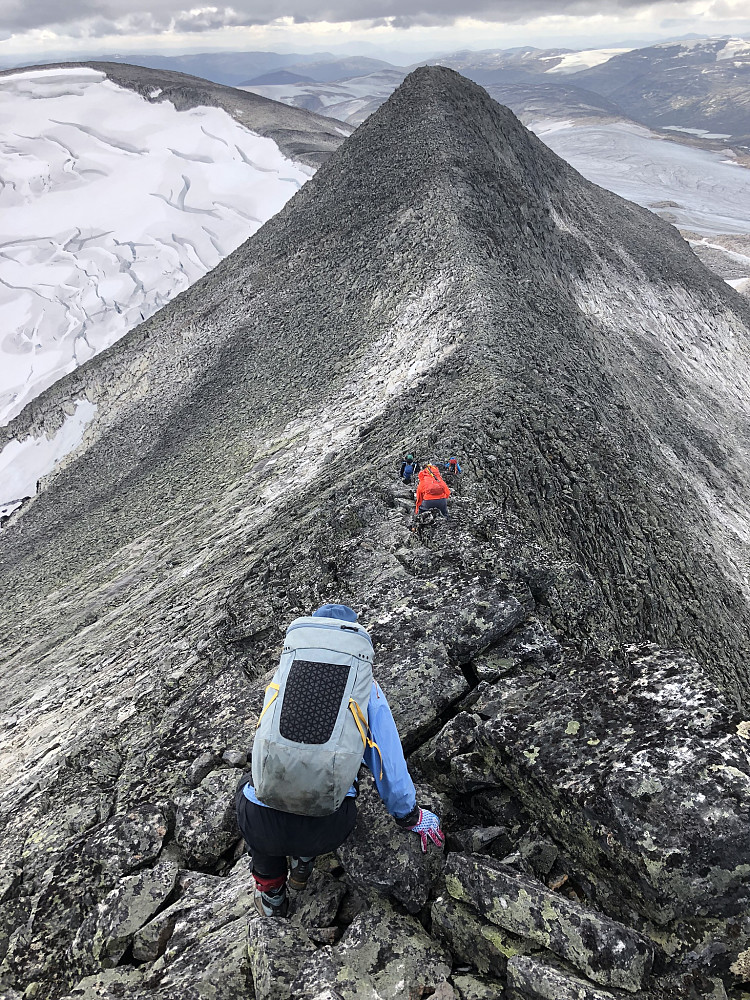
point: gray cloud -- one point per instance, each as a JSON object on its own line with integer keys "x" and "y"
{"x": 101, "y": 17}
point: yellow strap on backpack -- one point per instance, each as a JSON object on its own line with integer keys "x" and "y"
{"x": 364, "y": 730}
{"x": 266, "y": 707}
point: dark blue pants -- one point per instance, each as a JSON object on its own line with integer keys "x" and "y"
{"x": 273, "y": 836}
{"x": 441, "y": 505}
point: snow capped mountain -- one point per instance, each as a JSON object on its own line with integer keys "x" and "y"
{"x": 703, "y": 84}
{"x": 350, "y": 100}
{"x": 113, "y": 201}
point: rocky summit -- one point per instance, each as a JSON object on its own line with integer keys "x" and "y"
{"x": 566, "y": 657}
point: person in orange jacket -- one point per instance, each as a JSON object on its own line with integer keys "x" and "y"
{"x": 432, "y": 491}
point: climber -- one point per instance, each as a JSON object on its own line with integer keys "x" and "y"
{"x": 408, "y": 469}
{"x": 432, "y": 492}
{"x": 305, "y": 703}
{"x": 452, "y": 466}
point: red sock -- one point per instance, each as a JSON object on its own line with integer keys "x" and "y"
{"x": 270, "y": 885}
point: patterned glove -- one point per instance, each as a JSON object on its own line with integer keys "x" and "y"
{"x": 428, "y": 826}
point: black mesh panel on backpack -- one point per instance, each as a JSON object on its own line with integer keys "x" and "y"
{"x": 312, "y": 698}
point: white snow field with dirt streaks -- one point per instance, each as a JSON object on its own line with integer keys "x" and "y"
{"x": 707, "y": 193}
{"x": 109, "y": 206}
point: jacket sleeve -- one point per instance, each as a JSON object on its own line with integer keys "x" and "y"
{"x": 393, "y": 783}
{"x": 420, "y": 496}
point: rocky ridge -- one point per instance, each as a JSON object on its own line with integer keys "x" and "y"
{"x": 463, "y": 293}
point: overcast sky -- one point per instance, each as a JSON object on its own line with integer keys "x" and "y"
{"x": 37, "y": 28}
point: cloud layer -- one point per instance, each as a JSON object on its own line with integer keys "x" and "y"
{"x": 96, "y": 18}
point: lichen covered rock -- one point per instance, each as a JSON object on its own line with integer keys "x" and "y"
{"x": 206, "y": 825}
{"x": 475, "y": 940}
{"x": 608, "y": 952}
{"x": 382, "y": 954}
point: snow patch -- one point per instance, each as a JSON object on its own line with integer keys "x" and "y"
{"x": 697, "y": 131}
{"x": 734, "y": 47}
{"x": 23, "y": 463}
{"x": 572, "y": 62}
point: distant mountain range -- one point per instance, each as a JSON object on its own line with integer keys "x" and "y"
{"x": 700, "y": 87}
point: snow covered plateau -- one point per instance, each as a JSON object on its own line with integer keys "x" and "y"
{"x": 111, "y": 204}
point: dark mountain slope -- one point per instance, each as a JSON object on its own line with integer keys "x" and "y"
{"x": 443, "y": 283}
{"x": 584, "y": 371}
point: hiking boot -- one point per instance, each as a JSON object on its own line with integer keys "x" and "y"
{"x": 271, "y": 904}
{"x": 300, "y": 870}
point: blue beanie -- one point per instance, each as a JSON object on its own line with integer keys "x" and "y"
{"x": 336, "y": 611}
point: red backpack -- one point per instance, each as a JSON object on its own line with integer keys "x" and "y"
{"x": 434, "y": 486}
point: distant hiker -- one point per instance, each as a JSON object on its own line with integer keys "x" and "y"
{"x": 452, "y": 467}
{"x": 409, "y": 468}
{"x": 432, "y": 492}
{"x": 323, "y": 715}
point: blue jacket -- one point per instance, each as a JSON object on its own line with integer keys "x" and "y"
{"x": 395, "y": 788}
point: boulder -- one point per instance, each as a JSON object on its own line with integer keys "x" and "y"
{"x": 110, "y": 984}
{"x": 383, "y": 954}
{"x": 639, "y": 773}
{"x": 431, "y": 632}
{"x": 477, "y": 988}
{"x": 106, "y": 933}
{"x": 608, "y": 952}
{"x": 318, "y": 903}
{"x": 206, "y": 954}
{"x": 544, "y": 979}
{"x": 476, "y": 941}
{"x": 83, "y": 873}
{"x": 215, "y": 967}
{"x": 276, "y": 949}
{"x": 206, "y": 825}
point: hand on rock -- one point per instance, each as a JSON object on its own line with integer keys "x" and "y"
{"x": 428, "y": 826}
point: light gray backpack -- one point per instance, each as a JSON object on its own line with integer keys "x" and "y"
{"x": 312, "y": 732}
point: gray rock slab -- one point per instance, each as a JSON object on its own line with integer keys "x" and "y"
{"x": 477, "y": 988}
{"x": 106, "y": 933}
{"x": 537, "y": 979}
{"x": 216, "y": 965}
{"x": 206, "y": 825}
{"x": 276, "y": 949}
{"x": 207, "y": 904}
{"x": 608, "y": 952}
{"x": 474, "y": 940}
{"x": 110, "y": 984}
{"x": 317, "y": 904}
{"x": 640, "y": 775}
{"x": 383, "y": 954}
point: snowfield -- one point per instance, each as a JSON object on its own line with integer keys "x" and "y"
{"x": 109, "y": 206}
{"x": 707, "y": 192}
{"x": 22, "y": 463}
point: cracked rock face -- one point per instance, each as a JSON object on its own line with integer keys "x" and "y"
{"x": 437, "y": 287}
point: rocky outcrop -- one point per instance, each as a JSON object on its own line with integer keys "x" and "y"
{"x": 640, "y": 770}
{"x": 608, "y": 952}
{"x": 436, "y": 287}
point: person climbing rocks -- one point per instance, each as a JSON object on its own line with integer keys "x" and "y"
{"x": 409, "y": 469}
{"x": 295, "y": 804}
{"x": 452, "y": 466}
{"x": 432, "y": 491}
